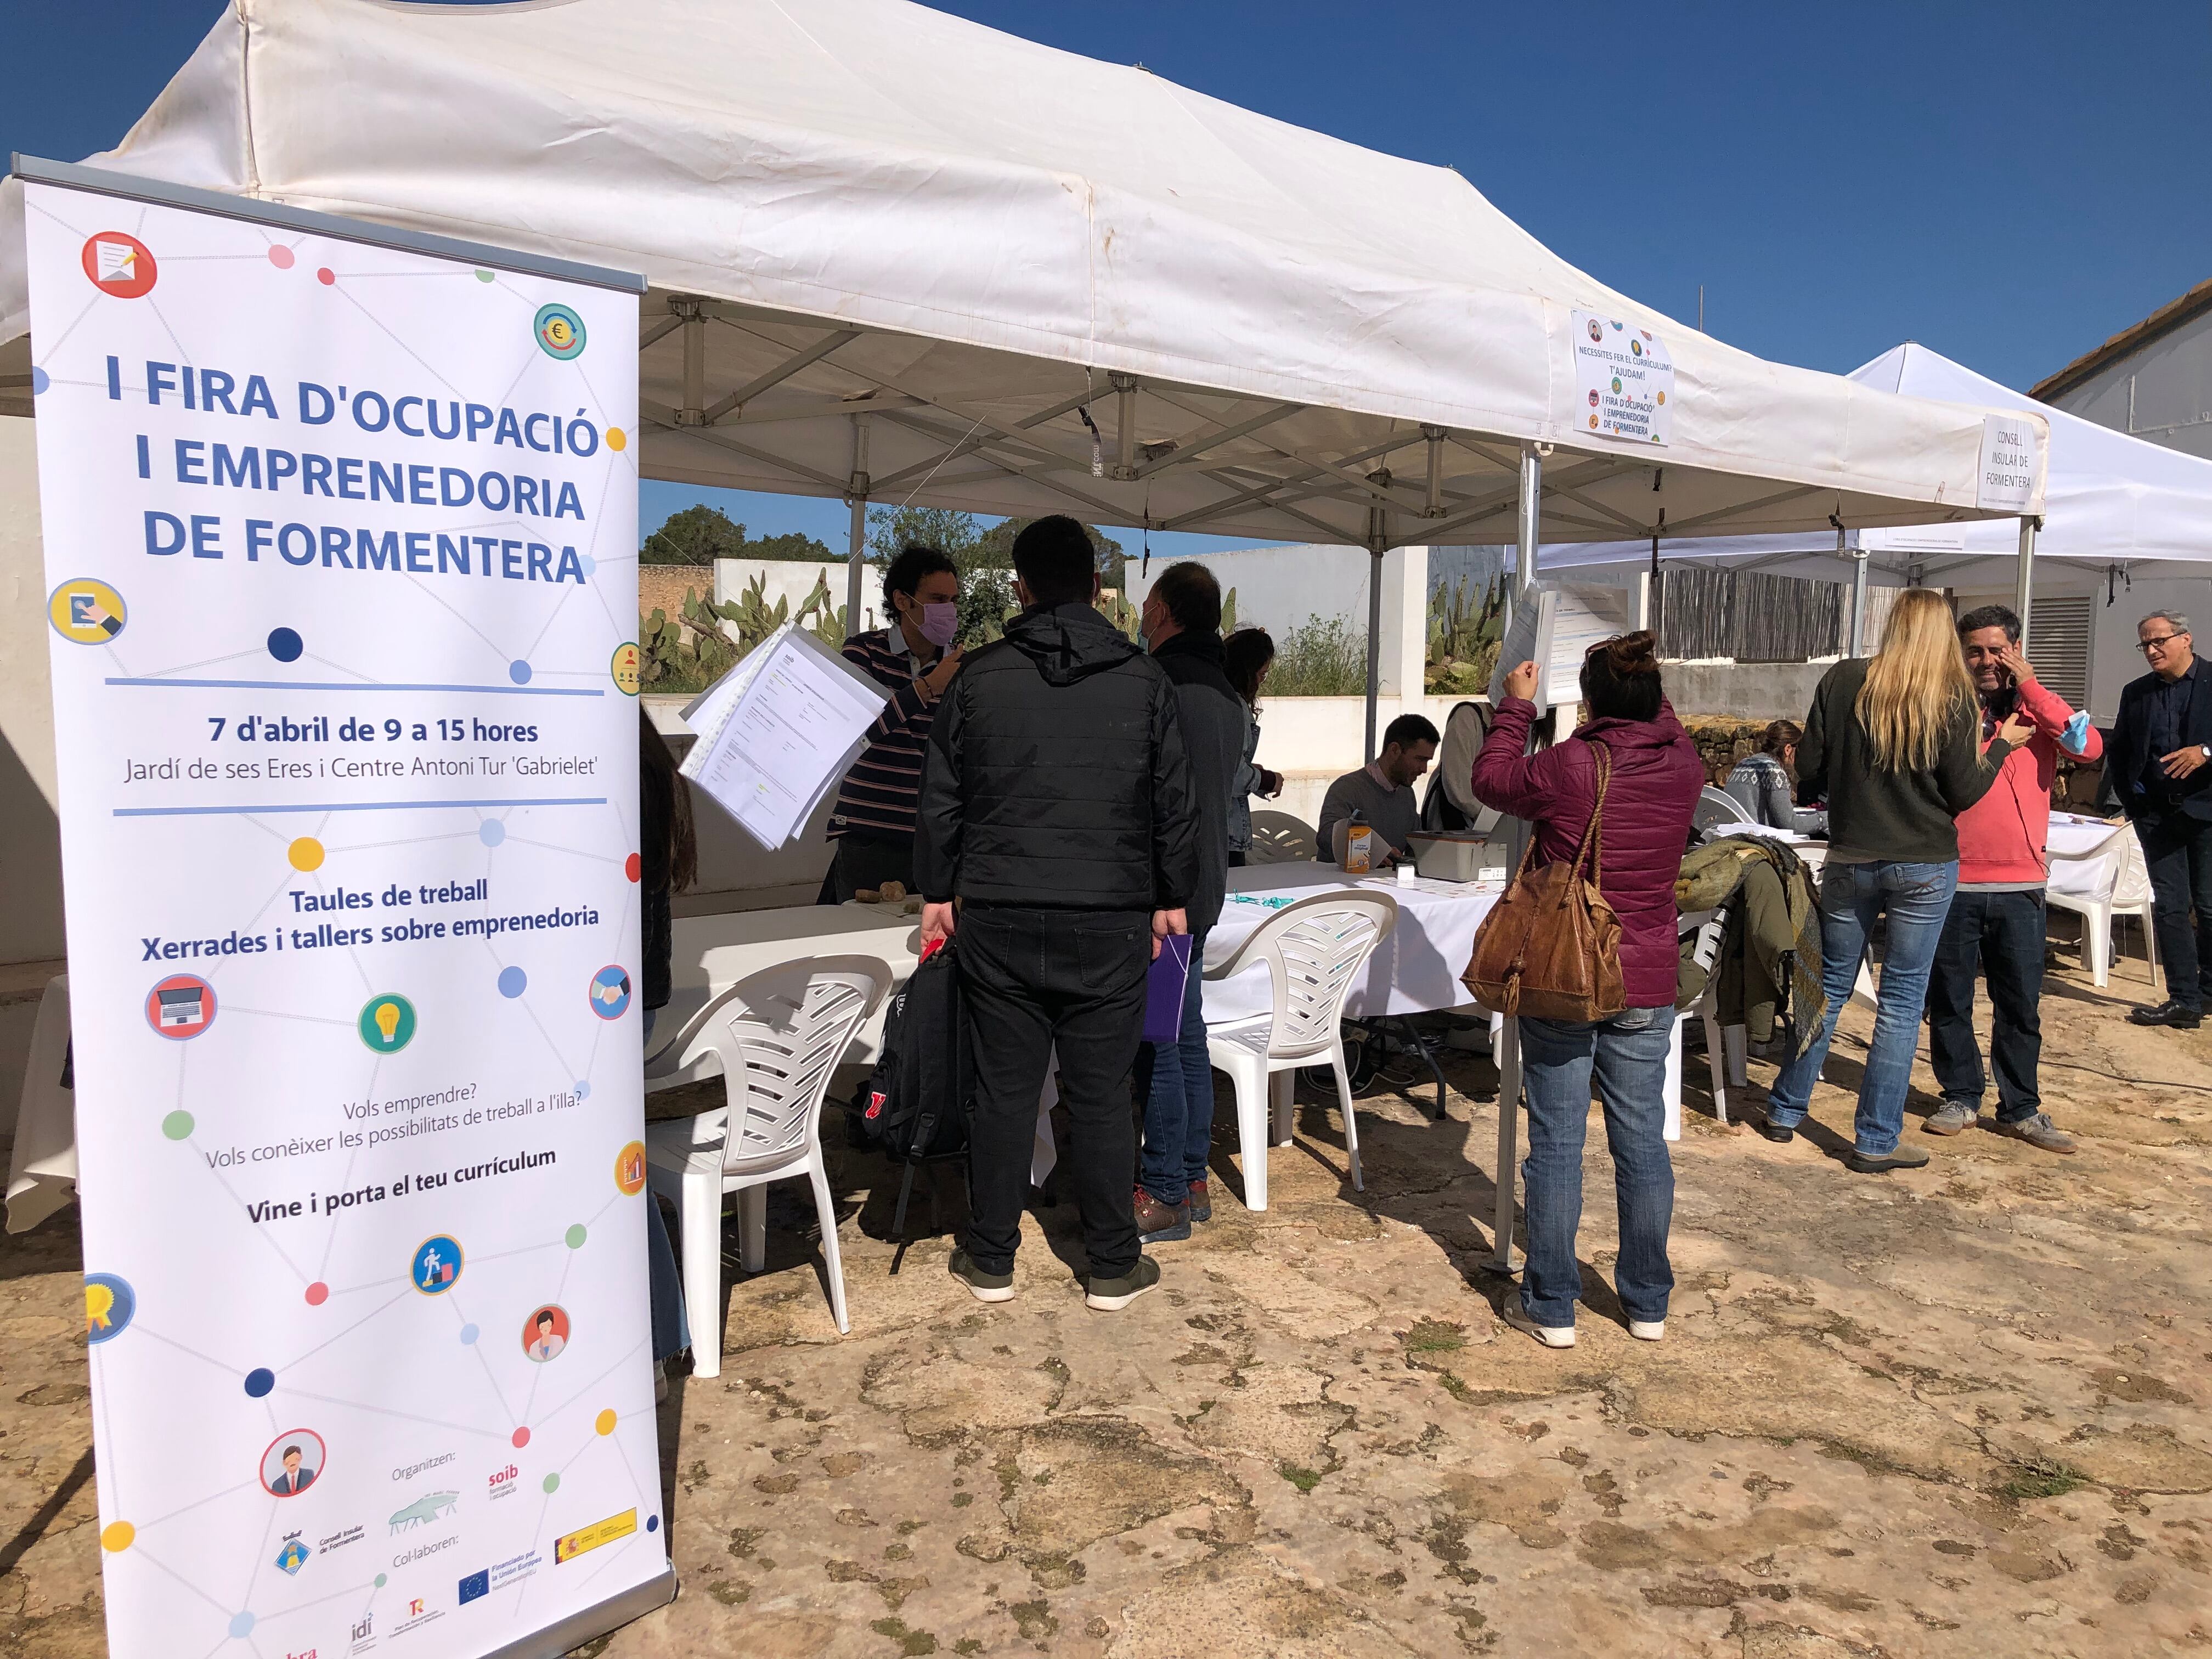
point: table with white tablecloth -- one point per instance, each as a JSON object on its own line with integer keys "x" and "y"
{"x": 1414, "y": 971}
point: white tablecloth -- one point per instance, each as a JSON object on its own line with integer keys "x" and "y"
{"x": 42, "y": 1171}
{"x": 1416, "y": 970}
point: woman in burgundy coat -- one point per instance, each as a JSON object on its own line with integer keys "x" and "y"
{"x": 1657, "y": 776}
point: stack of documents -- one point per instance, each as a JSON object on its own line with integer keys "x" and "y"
{"x": 777, "y": 731}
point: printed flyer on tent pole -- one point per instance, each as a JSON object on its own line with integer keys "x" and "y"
{"x": 340, "y": 529}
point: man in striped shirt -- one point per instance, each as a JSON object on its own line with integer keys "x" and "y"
{"x": 915, "y": 659}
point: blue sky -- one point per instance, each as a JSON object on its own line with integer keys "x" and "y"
{"x": 2007, "y": 184}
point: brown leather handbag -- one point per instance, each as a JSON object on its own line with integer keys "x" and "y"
{"x": 1551, "y": 949}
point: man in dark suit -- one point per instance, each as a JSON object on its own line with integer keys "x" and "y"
{"x": 295, "y": 1477}
{"x": 2159, "y": 764}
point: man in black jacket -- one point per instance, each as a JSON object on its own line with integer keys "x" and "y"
{"x": 1056, "y": 808}
{"x": 1181, "y": 624}
{"x": 2155, "y": 763}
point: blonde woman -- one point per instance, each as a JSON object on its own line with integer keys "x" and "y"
{"x": 1895, "y": 743}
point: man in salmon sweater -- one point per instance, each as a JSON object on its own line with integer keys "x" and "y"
{"x": 1996, "y": 917}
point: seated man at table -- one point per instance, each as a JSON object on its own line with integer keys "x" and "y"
{"x": 1057, "y": 809}
{"x": 1996, "y": 917}
{"x": 1382, "y": 791}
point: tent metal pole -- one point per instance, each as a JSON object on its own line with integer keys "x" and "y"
{"x": 1125, "y": 437}
{"x": 1374, "y": 537}
{"x": 1858, "y": 594}
{"x": 1502, "y": 1260}
{"x": 856, "y": 546}
{"x": 1532, "y": 492}
{"x": 2023, "y": 591}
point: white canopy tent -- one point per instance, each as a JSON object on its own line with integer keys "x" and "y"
{"x": 2109, "y": 500}
{"x": 894, "y": 256}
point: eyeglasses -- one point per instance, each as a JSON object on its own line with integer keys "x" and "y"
{"x": 2159, "y": 642}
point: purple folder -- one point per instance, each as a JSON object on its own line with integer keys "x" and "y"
{"x": 1164, "y": 984}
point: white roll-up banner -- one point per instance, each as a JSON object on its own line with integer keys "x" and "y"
{"x": 340, "y": 543}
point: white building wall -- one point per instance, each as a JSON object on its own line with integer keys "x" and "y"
{"x": 792, "y": 580}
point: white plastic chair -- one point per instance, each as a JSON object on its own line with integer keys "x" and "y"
{"x": 1282, "y": 838}
{"x": 2125, "y": 891}
{"x": 778, "y": 1037}
{"x": 1315, "y": 951}
{"x": 1716, "y": 807}
{"x": 1726, "y": 1055}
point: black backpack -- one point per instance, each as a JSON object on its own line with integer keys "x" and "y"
{"x": 915, "y": 1105}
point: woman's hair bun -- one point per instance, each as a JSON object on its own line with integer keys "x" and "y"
{"x": 1629, "y": 655}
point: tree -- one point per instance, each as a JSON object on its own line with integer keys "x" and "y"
{"x": 963, "y": 538}
{"x": 700, "y": 535}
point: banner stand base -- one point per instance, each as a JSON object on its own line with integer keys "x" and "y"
{"x": 579, "y": 1628}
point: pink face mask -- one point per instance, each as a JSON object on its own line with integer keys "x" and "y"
{"x": 940, "y": 623}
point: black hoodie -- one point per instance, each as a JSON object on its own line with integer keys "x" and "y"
{"x": 1214, "y": 720}
{"x": 1056, "y": 776}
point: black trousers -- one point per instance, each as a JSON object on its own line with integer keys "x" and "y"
{"x": 864, "y": 861}
{"x": 1034, "y": 978}
{"x": 2002, "y": 935}
{"x": 2177, "y": 849}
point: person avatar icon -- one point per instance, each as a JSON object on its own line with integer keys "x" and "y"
{"x": 297, "y": 1476}
{"x": 292, "y": 1462}
{"x": 295, "y": 1473}
{"x": 546, "y": 1335}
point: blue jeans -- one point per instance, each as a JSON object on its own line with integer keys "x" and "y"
{"x": 1916, "y": 897}
{"x": 2002, "y": 935}
{"x": 672, "y": 1332}
{"x": 1179, "y": 1108}
{"x": 1626, "y": 1056}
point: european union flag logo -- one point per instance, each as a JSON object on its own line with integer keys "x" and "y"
{"x": 475, "y": 1585}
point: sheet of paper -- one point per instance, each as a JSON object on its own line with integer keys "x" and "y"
{"x": 1553, "y": 625}
{"x": 788, "y": 737}
{"x": 709, "y": 712}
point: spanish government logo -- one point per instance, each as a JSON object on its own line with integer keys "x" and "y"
{"x": 121, "y": 266}
{"x": 560, "y": 331}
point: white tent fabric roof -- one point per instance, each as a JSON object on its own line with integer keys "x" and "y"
{"x": 2109, "y": 499}
{"x": 865, "y": 206}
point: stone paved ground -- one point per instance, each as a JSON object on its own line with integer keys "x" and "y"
{"x": 1948, "y": 1413}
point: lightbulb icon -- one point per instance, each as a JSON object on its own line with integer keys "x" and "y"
{"x": 386, "y": 1023}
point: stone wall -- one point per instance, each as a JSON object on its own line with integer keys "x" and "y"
{"x": 1724, "y": 740}
{"x": 662, "y": 586}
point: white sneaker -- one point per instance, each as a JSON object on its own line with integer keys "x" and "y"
{"x": 659, "y": 1382}
{"x": 1552, "y": 1336}
{"x": 1647, "y": 1330}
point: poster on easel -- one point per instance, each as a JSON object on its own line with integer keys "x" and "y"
{"x": 340, "y": 533}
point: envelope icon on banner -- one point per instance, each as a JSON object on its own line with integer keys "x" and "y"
{"x": 118, "y": 262}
